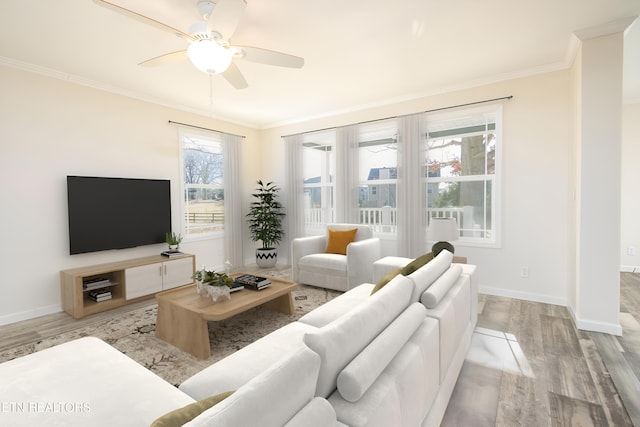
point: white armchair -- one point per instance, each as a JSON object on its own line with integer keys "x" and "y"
{"x": 310, "y": 264}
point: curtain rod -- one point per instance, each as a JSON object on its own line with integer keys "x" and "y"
{"x": 422, "y": 112}
{"x": 203, "y": 128}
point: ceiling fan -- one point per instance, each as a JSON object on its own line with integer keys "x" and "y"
{"x": 209, "y": 49}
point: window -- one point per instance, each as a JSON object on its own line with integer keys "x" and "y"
{"x": 377, "y": 174}
{"x": 461, "y": 172}
{"x": 203, "y": 177}
{"x": 319, "y": 161}
{"x": 396, "y": 174}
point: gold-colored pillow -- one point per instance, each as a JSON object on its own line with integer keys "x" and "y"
{"x": 181, "y": 416}
{"x": 417, "y": 263}
{"x": 385, "y": 279}
{"x": 339, "y": 240}
{"x": 405, "y": 271}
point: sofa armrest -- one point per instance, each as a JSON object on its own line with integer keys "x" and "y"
{"x": 360, "y": 258}
{"x": 302, "y": 246}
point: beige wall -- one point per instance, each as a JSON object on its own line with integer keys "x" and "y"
{"x": 50, "y": 128}
{"x": 535, "y": 180}
{"x": 630, "y": 174}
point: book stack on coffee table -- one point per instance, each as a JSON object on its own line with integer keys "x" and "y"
{"x": 254, "y": 283}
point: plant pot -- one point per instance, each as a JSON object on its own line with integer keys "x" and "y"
{"x": 216, "y": 293}
{"x": 267, "y": 258}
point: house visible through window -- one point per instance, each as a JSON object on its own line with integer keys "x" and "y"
{"x": 378, "y": 173}
{"x": 203, "y": 166}
{"x": 457, "y": 172}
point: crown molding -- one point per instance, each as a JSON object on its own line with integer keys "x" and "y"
{"x": 71, "y": 78}
{"x": 606, "y": 29}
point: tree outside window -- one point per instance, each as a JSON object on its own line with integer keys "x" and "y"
{"x": 460, "y": 173}
{"x": 203, "y": 185}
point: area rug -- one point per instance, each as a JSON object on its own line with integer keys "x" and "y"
{"x": 133, "y": 333}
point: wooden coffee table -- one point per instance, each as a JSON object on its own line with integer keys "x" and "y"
{"x": 183, "y": 314}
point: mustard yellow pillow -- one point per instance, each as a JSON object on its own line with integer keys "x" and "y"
{"x": 339, "y": 240}
{"x": 181, "y": 416}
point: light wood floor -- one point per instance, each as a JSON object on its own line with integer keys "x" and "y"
{"x": 528, "y": 365}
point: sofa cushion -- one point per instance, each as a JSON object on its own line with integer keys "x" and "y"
{"x": 426, "y": 275}
{"x": 405, "y": 271}
{"x": 339, "y": 240}
{"x": 362, "y": 371}
{"x": 318, "y": 412}
{"x": 240, "y": 367}
{"x": 453, "y": 314}
{"x": 338, "y": 306}
{"x": 323, "y": 262}
{"x": 272, "y": 398}
{"x": 385, "y": 279}
{"x": 341, "y": 340}
{"x": 179, "y": 417}
{"x": 403, "y": 394}
{"x": 93, "y": 376}
{"x": 434, "y": 294}
{"x": 417, "y": 263}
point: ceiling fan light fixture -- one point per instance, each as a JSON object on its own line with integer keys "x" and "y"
{"x": 209, "y": 57}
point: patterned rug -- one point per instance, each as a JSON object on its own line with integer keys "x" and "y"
{"x": 133, "y": 333}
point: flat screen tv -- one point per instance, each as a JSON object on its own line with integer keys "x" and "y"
{"x": 117, "y": 213}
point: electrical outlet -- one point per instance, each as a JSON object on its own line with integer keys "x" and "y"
{"x": 631, "y": 251}
{"x": 524, "y": 272}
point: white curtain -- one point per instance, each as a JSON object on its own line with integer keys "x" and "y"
{"x": 411, "y": 187}
{"x": 233, "y": 220}
{"x": 346, "y": 198}
{"x": 294, "y": 220}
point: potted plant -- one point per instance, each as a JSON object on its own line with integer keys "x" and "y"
{"x": 265, "y": 223}
{"x": 213, "y": 284}
{"x": 173, "y": 240}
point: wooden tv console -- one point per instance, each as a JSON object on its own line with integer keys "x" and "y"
{"x": 129, "y": 281}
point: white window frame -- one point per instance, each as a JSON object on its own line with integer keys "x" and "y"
{"x": 214, "y": 138}
{"x": 495, "y": 241}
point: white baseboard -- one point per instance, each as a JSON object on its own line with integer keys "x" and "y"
{"x": 29, "y": 314}
{"x": 582, "y": 324}
{"x": 630, "y": 268}
{"x": 546, "y": 299}
{"x": 589, "y": 325}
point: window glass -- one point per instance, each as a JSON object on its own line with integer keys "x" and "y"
{"x": 378, "y": 174}
{"x": 203, "y": 185}
{"x": 460, "y": 172}
{"x": 318, "y": 172}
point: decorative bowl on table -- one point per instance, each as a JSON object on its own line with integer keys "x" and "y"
{"x": 211, "y": 284}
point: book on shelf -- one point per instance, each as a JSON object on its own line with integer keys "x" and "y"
{"x": 100, "y": 295}
{"x": 171, "y": 254}
{"x": 95, "y": 283}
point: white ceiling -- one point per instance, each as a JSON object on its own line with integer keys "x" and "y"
{"x": 357, "y": 53}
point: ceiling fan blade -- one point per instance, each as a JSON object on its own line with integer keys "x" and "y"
{"x": 225, "y": 17}
{"x": 142, "y": 18}
{"x": 167, "y": 58}
{"x": 235, "y": 77}
{"x": 271, "y": 57}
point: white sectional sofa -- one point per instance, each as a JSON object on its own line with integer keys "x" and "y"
{"x": 391, "y": 358}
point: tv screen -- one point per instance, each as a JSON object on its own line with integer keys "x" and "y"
{"x": 117, "y": 213}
